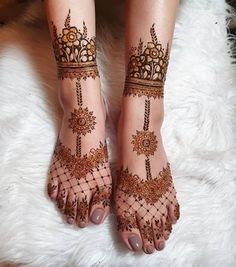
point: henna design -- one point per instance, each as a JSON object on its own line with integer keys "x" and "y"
{"x": 146, "y": 115}
{"x": 102, "y": 196}
{"x": 82, "y": 121}
{"x": 144, "y": 143}
{"x": 75, "y": 52}
{"x": 71, "y": 209}
{"x": 78, "y": 146}
{"x": 83, "y": 208}
{"x": 177, "y": 211}
{"x": 61, "y": 199}
{"x": 147, "y": 68}
{"x": 146, "y": 197}
{"x": 147, "y": 232}
{"x": 150, "y": 190}
{"x": 168, "y": 225}
{"x": 127, "y": 222}
{"x": 51, "y": 188}
{"x": 158, "y": 229}
{"x": 148, "y": 169}
{"x": 79, "y": 93}
{"x": 79, "y": 166}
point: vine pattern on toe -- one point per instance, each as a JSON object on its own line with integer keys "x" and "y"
{"x": 74, "y": 51}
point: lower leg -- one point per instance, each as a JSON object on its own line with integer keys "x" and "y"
{"x": 146, "y": 202}
{"x": 79, "y": 179}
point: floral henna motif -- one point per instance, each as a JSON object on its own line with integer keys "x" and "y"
{"x": 75, "y": 52}
{"x": 147, "y": 231}
{"x": 158, "y": 229}
{"x": 127, "y": 222}
{"x": 71, "y": 209}
{"x": 102, "y": 196}
{"x": 51, "y": 189}
{"x": 147, "y": 68}
{"x": 61, "y": 199}
{"x": 82, "y": 121}
{"x": 83, "y": 208}
{"x": 144, "y": 143}
{"x": 79, "y": 166}
{"x": 149, "y": 190}
{"x": 168, "y": 225}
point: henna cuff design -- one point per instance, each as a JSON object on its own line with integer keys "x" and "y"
{"x": 75, "y": 52}
{"x": 147, "y": 68}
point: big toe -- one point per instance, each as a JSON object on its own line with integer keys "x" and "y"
{"x": 100, "y": 205}
{"x": 129, "y": 232}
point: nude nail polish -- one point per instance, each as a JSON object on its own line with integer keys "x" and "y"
{"x": 97, "y": 216}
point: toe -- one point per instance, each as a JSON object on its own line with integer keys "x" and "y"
{"x": 158, "y": 230}
{"x": 71, "y": 208}
{"x": 146, "y": 230}
{"x": 52, "y": 188}
{"x": 61, "y": 199}
{"x": 167, "y": 228}
{"x": 100, "y": 205}
{"x": 83, "y": 210}
{"x": 129, "y": 232}
{"x": 174, "y": 213}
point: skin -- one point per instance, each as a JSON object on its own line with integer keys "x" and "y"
{"x": 79, "y": 206}
{"x": 162, "y": 14}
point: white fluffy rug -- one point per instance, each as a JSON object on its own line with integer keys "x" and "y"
{"x": 199, "y": 134}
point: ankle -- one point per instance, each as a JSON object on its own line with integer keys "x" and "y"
{"x": 133, "y": 112}
{"x": 80, "y": 93}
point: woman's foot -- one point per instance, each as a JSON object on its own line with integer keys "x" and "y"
{"x": 145, "y": 197}
{"x": 79, "y": 179}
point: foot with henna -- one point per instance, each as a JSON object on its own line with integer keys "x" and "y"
{"x": 79, "y": 180}
{"x": 145, "y": 196}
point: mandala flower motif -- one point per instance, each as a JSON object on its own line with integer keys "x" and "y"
{"x": 82, "y": 121}
{"x": 71, "y": 36}
{"x": 145, "y": 143}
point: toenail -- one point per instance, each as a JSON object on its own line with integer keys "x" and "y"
{"x": 70, "y": 220}
{"x": 97, "y": 216}
{"x": 161, "y": 245}
{"x": 82, "y": 224}
{"x": 150, "y": 249}
{"x": 135, "y": 243}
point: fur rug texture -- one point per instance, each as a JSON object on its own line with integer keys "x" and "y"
{"x": 198, "y": 132}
